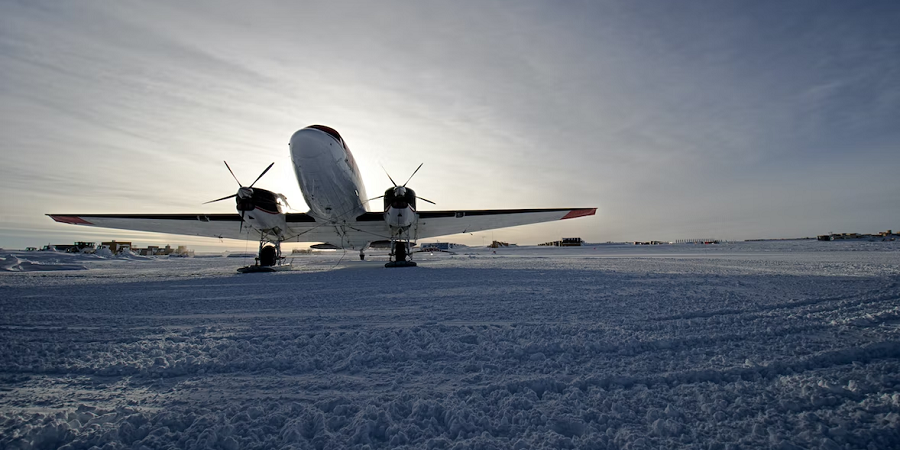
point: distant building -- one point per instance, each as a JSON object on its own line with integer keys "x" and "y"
{"x": 150, "y": 250}
{"x": 182, "y": 250}
{"x": 154, "y": 250}
{"x": 115, "y": 247}
{"x": 438, "y": 246}
{"x": 888, "y": 235}
{"x": 78, "y": 247}
{"x": 698, "y": 241}
{"x": 565, "y": 242}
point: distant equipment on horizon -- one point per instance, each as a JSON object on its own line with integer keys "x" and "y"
{"x": 565, "y": 242}
{"x": 888, "y": 235}
{"x": 78, "y": 247}
{"x": 439, "y": 246}
{"x": 698, "y": 241}
{"x": 116, "y": 247}
{"x": 650, "y": 242}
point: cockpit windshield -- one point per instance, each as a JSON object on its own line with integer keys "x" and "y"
{"x": 331, "y": 132}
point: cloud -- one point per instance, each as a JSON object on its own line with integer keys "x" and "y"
{"x": 658, "y": 114}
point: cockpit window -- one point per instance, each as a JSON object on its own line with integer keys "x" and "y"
{"x": 331, "y": 132}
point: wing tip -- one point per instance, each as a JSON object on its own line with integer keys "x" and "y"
{"x": 71, "y": 220}
{"x": 583, "y": 212}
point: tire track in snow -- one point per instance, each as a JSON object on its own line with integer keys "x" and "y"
{"x": 892, "y": 296}
{"x": 862, "y": 355}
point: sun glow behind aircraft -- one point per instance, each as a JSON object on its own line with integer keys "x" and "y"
{"x": 332, "y": 186}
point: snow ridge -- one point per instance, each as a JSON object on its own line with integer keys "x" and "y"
{"x": 575, "y": 351}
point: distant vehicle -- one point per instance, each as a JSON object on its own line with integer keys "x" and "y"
{"x": 438, "y": 247}
{"x": 78, "y": 247}
{"x": 566, "y": 242}
{"x": 332, "y": 186}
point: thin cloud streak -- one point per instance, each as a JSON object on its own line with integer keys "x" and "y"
{"x": 677, "y": 120}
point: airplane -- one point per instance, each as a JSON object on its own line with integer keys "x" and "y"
{"x": 338, "y": 215}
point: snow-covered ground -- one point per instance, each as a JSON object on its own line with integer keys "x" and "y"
{"x": 751, "y": 345}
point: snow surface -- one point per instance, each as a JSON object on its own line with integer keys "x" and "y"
{"x": 754, "y": 345}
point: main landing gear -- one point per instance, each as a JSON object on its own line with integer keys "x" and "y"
{"x": 269, "y": 259}
{"x": 362, "y": 251}
{"x": 400, "y": 256}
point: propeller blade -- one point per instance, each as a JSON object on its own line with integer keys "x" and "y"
{"x": 426, "y": 200}
{"x": 389, "y": 176}
{"x": 232, "y": 174}
{"x": 414, "y": 174}
{"x": 220, "y": 199}
{"x": 242, "y": 223}
{"x": 261, "y": 175}
{"x": 375, "y": 198}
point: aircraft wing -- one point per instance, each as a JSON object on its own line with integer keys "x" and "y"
{"x": 210, "y": 225}
{"x": 366, "y": 228}
{"x": 441, "y": 223}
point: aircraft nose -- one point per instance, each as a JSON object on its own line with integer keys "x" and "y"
{"x": 310, "y": 143}
{"x": 305, "y": 144}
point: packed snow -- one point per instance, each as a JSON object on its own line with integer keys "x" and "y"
{"x": 780, "y": 345}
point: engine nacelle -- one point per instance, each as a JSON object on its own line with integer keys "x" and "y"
{"x": 400, "y": 207}
{"x": 265, "y": 200}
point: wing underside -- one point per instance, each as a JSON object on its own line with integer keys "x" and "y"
{"x": 299, "y": 227}
{"x": 445, "y": 223}
{"x": 226, "y": 226}
{"x": 442, "y": 223}
{"x": 304, "y": 228}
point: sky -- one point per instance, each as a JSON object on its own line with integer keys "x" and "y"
{"x": 677, "y": 120}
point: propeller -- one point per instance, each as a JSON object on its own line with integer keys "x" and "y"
{"x": 244, "y": 192}
{"x": 389, "y": 177}
{"x": 401, "y": 190}
{"x": 413, "y": 174}
{"x": 426, "y": 200}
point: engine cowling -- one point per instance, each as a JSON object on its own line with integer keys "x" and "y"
{"x": 399, "y": 197}
{"x": 258, "y": 198}
{"x": 400, "y": 207}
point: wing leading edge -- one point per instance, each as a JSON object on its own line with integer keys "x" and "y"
{"x": 209, "y": 225}
{"x": 444, "y": 223}
{"x": 304, "y": 228}
{"x": 441, "y": 223}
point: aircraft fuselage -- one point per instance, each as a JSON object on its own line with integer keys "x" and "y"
{"x": 328, "y": 175}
